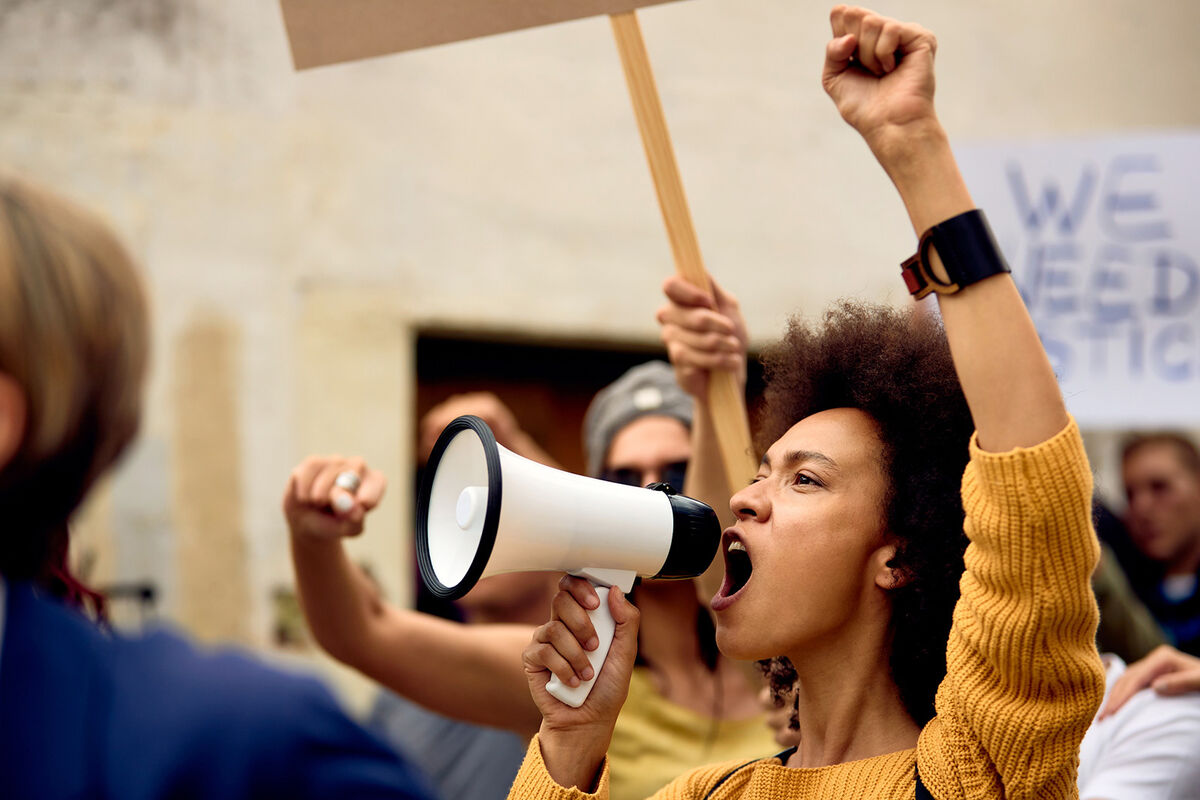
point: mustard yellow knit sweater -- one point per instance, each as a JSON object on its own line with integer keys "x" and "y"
{"x": 1023, "y": 677}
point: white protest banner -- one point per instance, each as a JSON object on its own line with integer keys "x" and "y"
{"x": 1103, "y": 236}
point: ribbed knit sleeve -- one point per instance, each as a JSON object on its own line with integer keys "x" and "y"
{"x": 533, "y": 782}
{"x": 1023, "y": 676}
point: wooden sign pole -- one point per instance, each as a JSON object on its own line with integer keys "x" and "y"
{"x": 725, "y": 398}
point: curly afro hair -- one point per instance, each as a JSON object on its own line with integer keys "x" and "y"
{"x": 895, "y": 366}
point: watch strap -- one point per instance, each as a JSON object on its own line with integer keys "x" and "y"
{"x": 968, "y": 251}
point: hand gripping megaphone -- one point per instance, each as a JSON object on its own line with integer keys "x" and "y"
{"x": 483, "y": 510}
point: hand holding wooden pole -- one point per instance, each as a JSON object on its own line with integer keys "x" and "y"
{"x": 725, "y": 397}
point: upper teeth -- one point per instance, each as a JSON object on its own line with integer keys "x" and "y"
{"x": 736, "y": 545}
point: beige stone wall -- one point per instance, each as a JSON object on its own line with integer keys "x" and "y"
{"x": 297, "y": 229}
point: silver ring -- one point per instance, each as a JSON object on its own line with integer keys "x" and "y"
{"x": 348, "y": 480}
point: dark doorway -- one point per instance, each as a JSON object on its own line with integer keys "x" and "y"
{"x": 548, "y": 387}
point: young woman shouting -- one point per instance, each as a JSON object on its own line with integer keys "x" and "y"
{"x": 921, "y": 664}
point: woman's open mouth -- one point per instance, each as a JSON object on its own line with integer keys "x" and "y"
{"x": 737, "y": 571}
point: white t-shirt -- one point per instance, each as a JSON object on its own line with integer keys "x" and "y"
{"x": 1149, "y": 750}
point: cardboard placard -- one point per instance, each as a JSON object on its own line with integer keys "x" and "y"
{"x": 332, "y": 31}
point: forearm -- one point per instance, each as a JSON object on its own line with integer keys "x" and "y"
{"x": 471, "y": 673}
{"x": 338, "y": 604}
{"x": 1007, "y": 379}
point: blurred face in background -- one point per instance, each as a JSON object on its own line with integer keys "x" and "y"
{"x": 1164, "y": 505}
{"x": 651, "y": 449}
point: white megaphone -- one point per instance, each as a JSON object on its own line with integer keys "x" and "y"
{"x": 484, "y": 510}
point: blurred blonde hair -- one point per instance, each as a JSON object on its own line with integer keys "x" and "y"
{"x": 73, "y": 336}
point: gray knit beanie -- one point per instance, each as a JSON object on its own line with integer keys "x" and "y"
{"x": 647, "y": 389}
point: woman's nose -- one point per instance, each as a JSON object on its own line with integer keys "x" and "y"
{"x": 749, "y": 503}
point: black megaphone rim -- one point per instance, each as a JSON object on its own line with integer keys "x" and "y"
{"x": 491, "y": 520}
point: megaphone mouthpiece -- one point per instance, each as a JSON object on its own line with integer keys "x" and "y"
{"x": 693, "y": 545}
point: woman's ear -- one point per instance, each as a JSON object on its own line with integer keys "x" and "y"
{"x": 12, "y": 418}
{"x": 888, "y": 574}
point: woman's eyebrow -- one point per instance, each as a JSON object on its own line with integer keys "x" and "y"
{"x": 800, "y": 456}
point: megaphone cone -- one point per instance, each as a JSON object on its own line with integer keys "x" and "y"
{"x": 483, "y": 510}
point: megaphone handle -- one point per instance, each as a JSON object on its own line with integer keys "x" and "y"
{"x": 605, "y": 627}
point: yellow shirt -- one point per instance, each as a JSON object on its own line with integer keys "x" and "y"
{"x": 1023, "y": 677}
{"x": 655, "y": 740}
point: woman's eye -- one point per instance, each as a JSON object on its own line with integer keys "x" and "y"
{"x": 805, "y": 480}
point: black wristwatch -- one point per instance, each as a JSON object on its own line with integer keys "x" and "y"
{"x": 968, "y": 250}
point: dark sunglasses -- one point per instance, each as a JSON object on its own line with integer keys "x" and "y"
{"x": 672, "y": 475}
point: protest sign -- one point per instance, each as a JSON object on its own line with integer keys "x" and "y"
{"x": 1103, "y": 238}
{"x": 331, "y": 31}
